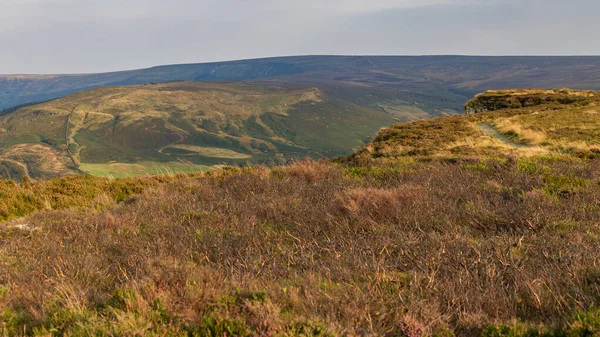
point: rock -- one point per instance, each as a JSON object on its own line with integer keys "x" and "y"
{"x": 493, "y": 100}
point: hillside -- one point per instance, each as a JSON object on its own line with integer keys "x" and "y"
{"x": 475, "y": 225}
{"x": 180, "y": 127}
{"x": 443, "y": 82}
{"x": 520, "y": 122}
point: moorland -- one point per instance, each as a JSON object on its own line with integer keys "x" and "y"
{"x": 262, "y": 111}
{"x": 181, "y": 127}
{"x": 437, "y": 80}
{"x": 482, "y": 224}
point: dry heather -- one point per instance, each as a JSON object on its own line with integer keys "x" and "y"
{"x": 499, "y": 247}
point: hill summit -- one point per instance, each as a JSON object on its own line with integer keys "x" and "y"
{"x": 519, "y": 122}
{"x": 493, "y": 100}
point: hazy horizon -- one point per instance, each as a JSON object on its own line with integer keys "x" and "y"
{"x": 73, "y": 37}
{"x": 288, "y": 56}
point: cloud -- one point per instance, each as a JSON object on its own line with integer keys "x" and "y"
{"x": 15, "y": 11}
{"x": 354, "y": 6}
{"x": 50, "y": 36}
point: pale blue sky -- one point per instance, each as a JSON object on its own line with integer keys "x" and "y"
{"x": 73, "y": 36}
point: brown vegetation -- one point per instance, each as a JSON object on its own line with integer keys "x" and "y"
{"x": 359, "y": 251}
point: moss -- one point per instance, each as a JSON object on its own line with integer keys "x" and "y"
{"x": 476, "y": 167}
{"x": 580, "y": 325}
{"x": 558, "y": 185}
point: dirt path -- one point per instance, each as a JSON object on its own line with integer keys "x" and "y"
{"x": 69, "y": 137}
{"x": 160, "y": 150}
{"x": 491, "y": 131}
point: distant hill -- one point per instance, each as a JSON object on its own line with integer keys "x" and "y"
{"x": 450, "y": 79}
{"x": 180, "y": 127}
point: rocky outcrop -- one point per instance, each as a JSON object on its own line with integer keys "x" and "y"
{"x": 493, "y": 100}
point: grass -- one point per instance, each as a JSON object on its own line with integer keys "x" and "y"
{"x": 221, "y": 123}
{"x": 529, "y": 122}
{"x": 123, "y": 170}
{"x": 581, "y": 324}
{"x": 209, "y": 151}
{"x": 80, "y": 192}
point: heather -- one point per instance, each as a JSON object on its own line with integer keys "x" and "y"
{"x": 396, "y": 249}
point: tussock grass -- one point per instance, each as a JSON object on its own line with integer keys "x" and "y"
{"x": 528, "y": 136}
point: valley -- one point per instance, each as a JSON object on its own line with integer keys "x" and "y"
{"x": 182, "y": 127}
{"x": 299, "y": 168}
{"x": 243, "y": 112}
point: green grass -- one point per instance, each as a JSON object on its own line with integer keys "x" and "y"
{"x": 123, "y": 170}
{"x": 80, "y": 192}
{"x": 586, "y": 323}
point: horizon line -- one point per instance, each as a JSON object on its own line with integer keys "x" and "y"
{"x": 16, "y": 75}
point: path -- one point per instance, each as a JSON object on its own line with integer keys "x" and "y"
{"x": 68, "y": 139}
{"x": 68, "y": 136}
{"x": 491, "y": 131}
{"x": 160, "y": 150}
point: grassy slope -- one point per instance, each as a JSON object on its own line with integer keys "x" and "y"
{"x": 186, "y": 126}
{"x": 537, "y": 122}
{"x": 406, "y": 238}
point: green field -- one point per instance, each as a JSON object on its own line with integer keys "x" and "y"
{"x": 122, "y": 170}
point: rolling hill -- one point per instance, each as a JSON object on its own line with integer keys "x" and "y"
{"x": 180, "y": 127}
{"x": 153, "y": 129}
{"x": 446, "y": 81}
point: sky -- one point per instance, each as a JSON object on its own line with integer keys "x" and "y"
{"x": 83, "y": 36}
